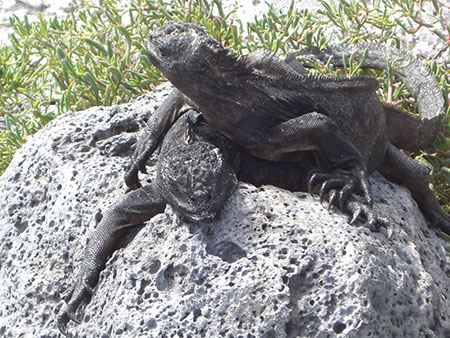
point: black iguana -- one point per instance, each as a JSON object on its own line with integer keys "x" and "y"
{"x": 197, "y": 170}
{"x": 274, "y": 112}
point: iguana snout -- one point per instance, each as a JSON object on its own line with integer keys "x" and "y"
{"x": 173, "y": 45}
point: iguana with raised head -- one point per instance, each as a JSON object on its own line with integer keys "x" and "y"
{"x": 197, "y": 164}
{"x": 274, "y": 112}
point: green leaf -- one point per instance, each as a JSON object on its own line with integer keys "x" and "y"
{"x": 93, "y": 84}
{"x": 96, "y": 45}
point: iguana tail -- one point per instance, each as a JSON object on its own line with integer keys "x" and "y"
{"x": 406, "y": 130}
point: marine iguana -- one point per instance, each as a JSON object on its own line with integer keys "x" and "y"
{"x": 218, "y": 159}
{"x": 274, "y": 112}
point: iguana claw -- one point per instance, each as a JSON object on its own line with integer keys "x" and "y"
{"x": 343, "y": 181}
{"x": 363, "y": 212}
{"x": 337, "y": 185}
{"x": 61, "y": 322}
{"x": 333, "y": 196}
{"x": 327, "y": 186}
{"x": 131, "y": 178}
{"x": 80, "y": 293}
{"x": 356, "y": 215}
{"x": 74, "y": 318}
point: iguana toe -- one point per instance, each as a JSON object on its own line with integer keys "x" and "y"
{"x": 62, "y": 321}
{"x": 64, "y": 318}
{"x": 329, "y": 187}
{"x": 132, "y": 179}
{"x": 337, "y": 186}
{"x": 333, "y": 196}
{"x": 74, "y": 318}
{"x": 363, "y": 213}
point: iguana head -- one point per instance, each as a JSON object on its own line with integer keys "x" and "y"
{"x": 195, "y": 180}
{"x": 191, "y": 59}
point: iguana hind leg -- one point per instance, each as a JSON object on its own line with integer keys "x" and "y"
{"x": 401, "y": 168}
{"x": 134, "y": 208}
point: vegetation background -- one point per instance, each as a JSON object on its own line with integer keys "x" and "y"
{"x": 96, "y": 56}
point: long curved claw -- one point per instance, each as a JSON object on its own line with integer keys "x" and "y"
{"x": 356, "y": 215}
{"x": 365, "y": 213}
{"x": 327, "y": 186}
{"x": 333, "y": 196}
{"x": 341, "y": 183}
{"x": 79, "y": 294}
{"x": 64, "y": 318}
{"x": 317, "y": 178}
{"x": 74, "y": 318}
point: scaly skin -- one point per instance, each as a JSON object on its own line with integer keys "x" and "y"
{"x": 405, "y": 130}
{"x": 273, "y": 112}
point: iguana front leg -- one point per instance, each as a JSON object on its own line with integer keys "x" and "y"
{"x": 340, "y": 165}
{"x": 133, "y": 208}
{"x": 156, "y": 127}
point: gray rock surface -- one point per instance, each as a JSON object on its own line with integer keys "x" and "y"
{"x": 274, "y": 263}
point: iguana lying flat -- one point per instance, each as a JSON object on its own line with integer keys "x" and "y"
{"x": 273, "y": 112}
{"x": 197, "y": 170}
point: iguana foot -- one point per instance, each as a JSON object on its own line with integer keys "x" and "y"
{"x": 339, "y": 184}
{"x": 81, "y": 293}
{"x": 365, "y": 214}
{"x": 62, "y": 321}
{"x": 131, "y": 177}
